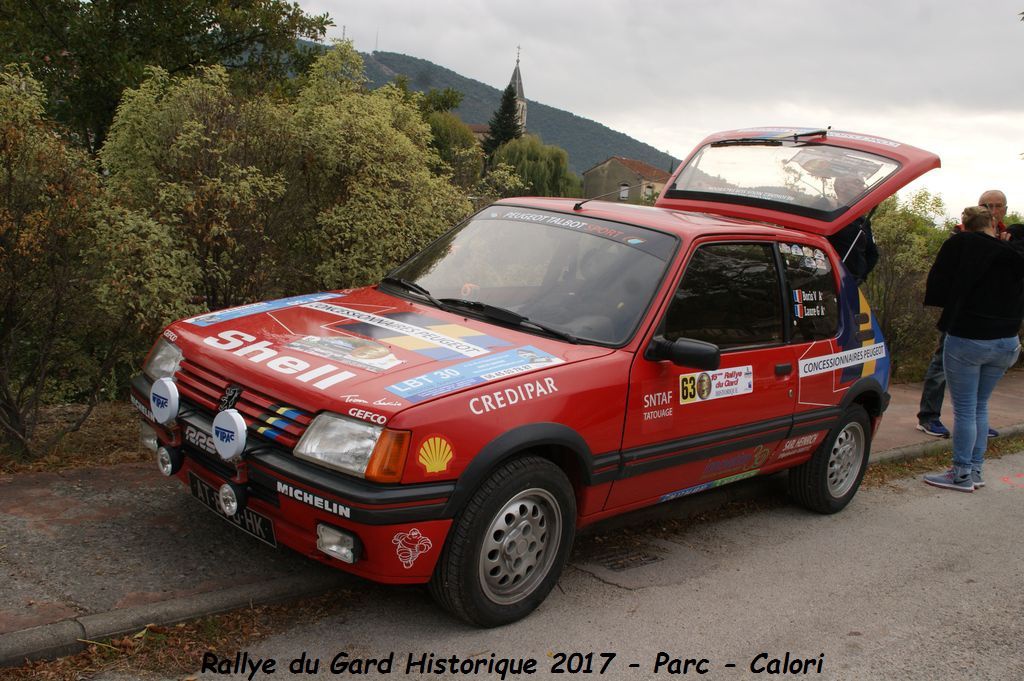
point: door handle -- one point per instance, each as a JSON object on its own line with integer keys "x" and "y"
{"x": 783, "y": 369}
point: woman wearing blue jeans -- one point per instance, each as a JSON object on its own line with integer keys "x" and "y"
{"x": 978, "y": 281}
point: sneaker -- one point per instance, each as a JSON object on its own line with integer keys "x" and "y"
{"x": 948, "y": 480}
{"x": 933, "y": 428}
{"x": 976, "y": 479}
{"x": 992, "y": 432}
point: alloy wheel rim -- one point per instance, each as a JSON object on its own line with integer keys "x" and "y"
{"x": 845, "y": 460}
{"x": 520, "y": 545}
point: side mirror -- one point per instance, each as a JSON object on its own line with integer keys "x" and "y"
{"x": 685, "y": 352}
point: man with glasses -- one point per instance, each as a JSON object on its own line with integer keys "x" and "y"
{"x": 934, "y": 388}
{"x": 995, "y": 201}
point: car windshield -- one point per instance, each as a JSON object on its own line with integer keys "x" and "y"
{"x": 592, "y": 279}
{"x": 814, "y": 180}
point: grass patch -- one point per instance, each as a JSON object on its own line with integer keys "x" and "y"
{"x": 885, "y": 473}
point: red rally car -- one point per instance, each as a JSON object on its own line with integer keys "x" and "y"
{"x": 546, "y": 364}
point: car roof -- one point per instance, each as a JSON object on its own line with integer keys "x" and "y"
{"x": 684, "y": 224}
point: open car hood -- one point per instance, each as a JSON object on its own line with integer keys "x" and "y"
{"x": 809, "y": 179}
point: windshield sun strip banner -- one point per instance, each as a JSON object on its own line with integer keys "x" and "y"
{"x": 652, "y": 242}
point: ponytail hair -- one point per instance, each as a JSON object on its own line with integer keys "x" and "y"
{"x": 976, "y": 218}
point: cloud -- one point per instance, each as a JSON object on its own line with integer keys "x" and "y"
{"x": 944, "y": 75}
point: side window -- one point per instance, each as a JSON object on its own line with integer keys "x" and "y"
{"x": 730, "y": 296}
{"x": 812, "y": 291}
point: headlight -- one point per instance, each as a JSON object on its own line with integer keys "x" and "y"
{"x": 339, "y": 442}
{"x": 163, "y": 360}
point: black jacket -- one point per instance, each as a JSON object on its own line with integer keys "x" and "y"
{"x": 856, "y": 244}
{"x": 978, "y": 281}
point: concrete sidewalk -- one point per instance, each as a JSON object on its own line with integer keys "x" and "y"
{"x": 91, "y": 553}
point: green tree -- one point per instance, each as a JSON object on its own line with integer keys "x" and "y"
{"x": 500, "y": 182}
{"x": 440, "y": 101}
{"x": 431, "y": 101}
{"x": 504, "y": 124}
{"x": 544, "y": 168}
{"x": 457, "y": 146}
{"x": 368, "y": 174}
{"x": 87, "y": 53}
{"x": 78, "y": 278}
{"x": 328, "y": 189}
{"x": 188, "y": 152}
{"x": 907, "y": 239}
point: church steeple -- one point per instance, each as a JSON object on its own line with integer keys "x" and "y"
{"x": 517, "y": 83}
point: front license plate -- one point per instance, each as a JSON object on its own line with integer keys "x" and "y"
{"x": 247, "y": 520}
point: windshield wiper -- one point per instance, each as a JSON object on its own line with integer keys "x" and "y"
{"x": 414, "y": 287}
{"x": 748, "y": 141}
{"x": 770, "y": 141}
{"x": 505, "y": 315}
{"x": 494, "y": 312}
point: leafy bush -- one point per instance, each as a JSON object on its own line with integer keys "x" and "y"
{"x": 185, "y": 152}
{"x": 907, "y": 240}
{"x": 367, "y": 188}
{"x": 500, "y": 182}
{"x": 76, "y": 275}
{"x": 457, "y": 147}
{"x": 272, "y": 197}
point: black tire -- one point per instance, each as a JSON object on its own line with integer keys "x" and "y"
{"x": 827, "y": 481}
{"x": 508, "y": 546}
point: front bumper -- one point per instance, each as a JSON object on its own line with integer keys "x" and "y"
{"x": 400, "y": 529}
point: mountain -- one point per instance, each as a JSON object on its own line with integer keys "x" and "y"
{"x": 587, "y": 142}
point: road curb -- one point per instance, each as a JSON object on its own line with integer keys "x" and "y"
{"x": 68, "y": 636}
{"x": 46, "y": 641}
{"x": 935, "y": 446}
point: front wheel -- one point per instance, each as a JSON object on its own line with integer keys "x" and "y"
{"x": 507, "y": 547}
{"x": 828, "y": 480}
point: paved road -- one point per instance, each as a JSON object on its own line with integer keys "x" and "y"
{"x": 910, "y": 582}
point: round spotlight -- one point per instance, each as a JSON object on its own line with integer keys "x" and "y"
{"x": 229, "y": 434}
{"x": 168, "y": 460}
{"x": 231, "y": 498}
{"x": 164, "y": 401}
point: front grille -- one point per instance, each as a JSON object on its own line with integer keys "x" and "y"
{"x": 280, "y": 423}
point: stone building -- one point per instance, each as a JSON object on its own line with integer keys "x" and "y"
{"x": 624, "y": 179}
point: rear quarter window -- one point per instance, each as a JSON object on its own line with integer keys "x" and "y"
{"x": 812, "y": 292}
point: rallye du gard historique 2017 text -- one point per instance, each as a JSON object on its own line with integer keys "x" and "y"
{"x": 545, "y": 364}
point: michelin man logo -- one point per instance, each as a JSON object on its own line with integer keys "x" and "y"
{"x": 410, "y": 545}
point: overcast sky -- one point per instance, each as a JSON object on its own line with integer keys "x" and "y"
{"x": 944, "y": 75}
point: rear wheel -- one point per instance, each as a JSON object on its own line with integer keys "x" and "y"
{"x": 507, "y": 547}
{"x": 830, "y": 478}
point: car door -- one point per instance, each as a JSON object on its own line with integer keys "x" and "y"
{"x": 687, "y": 430}
{"x": 836, "y": 339}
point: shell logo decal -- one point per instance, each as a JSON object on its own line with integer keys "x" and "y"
{"x": 435, "y": 454}
{"x": 409, "y": 545}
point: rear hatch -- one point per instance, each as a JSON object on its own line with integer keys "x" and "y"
{"x": 814, "y": 180}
